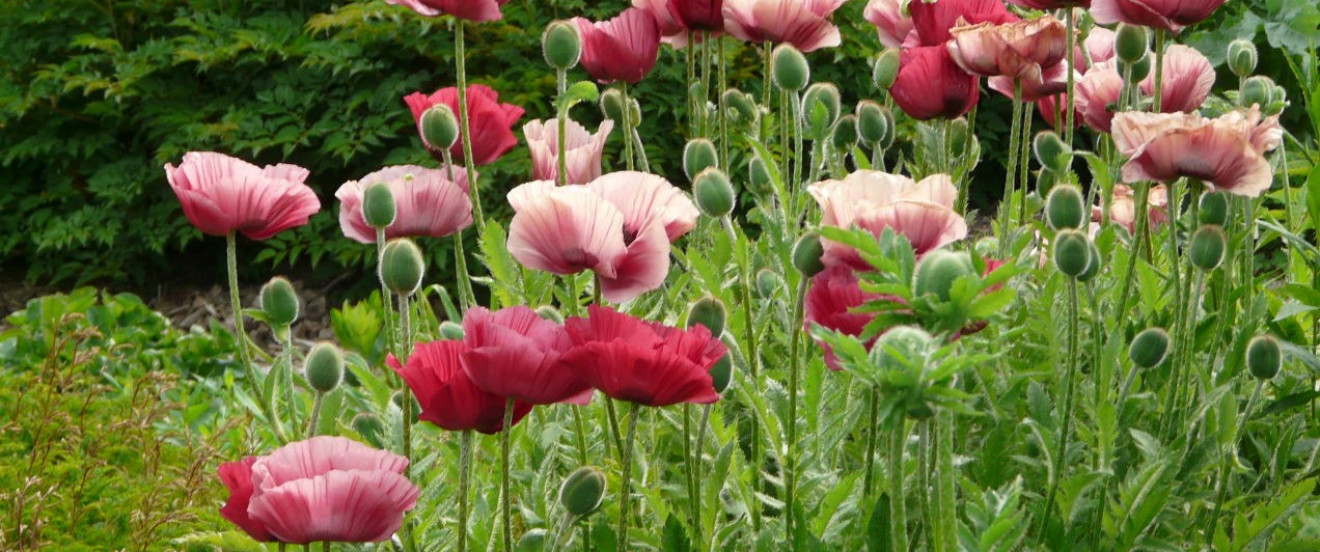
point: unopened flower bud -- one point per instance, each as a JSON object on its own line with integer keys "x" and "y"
{"x": 561, "y": 45}
{"x": 439, "y": 127}
{"x": 886, "y": 69}
{"x": 959, "y": 131}
{"x": 397, "y": 399}
{"x": 1051, "y": 152}
{"x": 611, "y": 104}
{"x": 938, "y": 270}
{"x": 741, "y": 107}
{"x": 451, "y": 330}
{"x": 401, "y": 267}
{"x": 871, "y": 123}
{"x": 789, "y": 67}
{"x": 767, "y": 283}
{"x": 820, "y": 105}
{"x": 721, "y": 374}
{"x": 1065, "y": 207}
{"x": 845, "y": 133}
{"x": 1141, "y": 69}
{"x": 279, "y": 302}
{"x": 759, "y": 173}
{"x": 900, "y": 346}
{"x": 713, "y": 193}
{"x": 891, "y": 128}
{"x": 807, "y": 253}
{"x": 1256, "y": 91}
{"x": 378, "y": 208}
{"x": 1213, "y": 208}
{"x": 1264, "y": 357}
{"x": 1093, "y": 267}
{"x": 1130, "y": 42}
{"x": 583, "y": 491}
{"x": 699, "y": 155}
{"x": 370, "y": 427}
{"x": 1045, "y": 181}
{"x": 324, "y": 368}
{"x": 547, "y": 312}
{"x": 1072, "y": 252}
{"x": 1207, "y": 247}
{"x": 709, "y": 312}
{"x": 1242, "y": 57}
{"x": 1149, "y": 347}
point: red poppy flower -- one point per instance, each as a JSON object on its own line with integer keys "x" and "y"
{"x": 490, "y": 122}
{"x": 643, "y": 362}
{"x": 471, "y": 10}
{"x": 930, "y": 84}
{"x": 513, "y": 352}
{"x": 448, "y": 396}
{"x": 237, "y": 477}
{"x": 1170, "y": 15}
{"x": 621, "y": 49}
{"x": 934, "y": 20}
{"x": 830, "y": 301}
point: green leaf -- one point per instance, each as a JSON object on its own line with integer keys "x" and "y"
{"x": 673, "y": 537}
{"x": 584, "y": 91}
{"x": 878, "y": 537}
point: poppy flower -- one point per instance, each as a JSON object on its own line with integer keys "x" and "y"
{"x": 698, "y": 15}
{"x": 933, "y": 20}
{"x": 830, "y": 302}
{"x": 426, "y": 203}
{"x": 643, "y": 362}
{"x": 922, "y": 211}
{"x": 1097, "y": 94}
{"x": 1017, "y": 50}
{"x": 490, "y": 122}
{"x": 930, "y": 85}
{"x": 321, "y": 489}
{"x": 513, "y": 352}
{"x": 892, "y": 26}
{"x": 1036, "y": 85}
{"x": 471, "y": 10}
{"x": 803, "y": 23}
{"x": 449, "y": 398}
{"x": 1188, "y": 78}
{"x": 1226, "y": 153}
{"x": 1051, "y": 109}
{"x": 1170, "y": 15}
{"x": 1099, "y": 45}
{"x": 672, "y": 31}
{"x": 1051, "y": 4}
{"x": 1123, "y": 207}
{"x": 584, "y": 149}
{"x": 222, "y": 195}
{"x": 622, "y": 49}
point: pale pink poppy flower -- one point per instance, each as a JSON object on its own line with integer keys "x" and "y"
{"x": 655, "y": 213}
{"x": 1099, "y": 45}
{"x": 1170, "y": 15}
{"x": 1264, "y": 134}
{"x": 426, "y": 203}
{"x": 584, "y": 149}
{"x": 892, "y": 26}
{"x": 471, "y": 10}
{"x": 1219, "y": 152}
{"x": 1016, "y": 49}
{"x": 222, "y": 195}
{"x": 330, "y": 489}
{"x": 1188, "y": 78}
{"x": 921, "y": 211}
{"x": 1097, "y": 92}
{"x": 1123, "y": 207}
{"x": 803, "y": 23}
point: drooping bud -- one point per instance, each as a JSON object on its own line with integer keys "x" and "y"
{"x": 324, "y": 367}
{"x": 767, "y": 283}
{"x": 959, "y": 130}
{"x": 1072, "y": 252}
{"x": 1092, "y": 268}
{"x": 1065, "y": 207}
{"x": 1264, "y": 357}
{"x": 1051, "y": 152}
{"x": 807, "y": 253}
{"x": 547, "y": 312}
{"x": 401, "y": 267}
{"x": 1149, "y": 347}
{"x": 789, "y": 67}
{"x": 938, "y": 270}
{"x": 451, "y": 330}
{"x": 279, "y": 302}
{"x": 583, "y": 491}
{"x": 1207, "y": 247}
{"x": 1242, "y": 57}
{"x": 439, "y": 127}
{"x": 611, "y": 104}
{"x": 741, "y": 107}
{"x": 845, "y": 133}
{"x": 1256, "y": 91}
{"x": 1130, "y": 42}
{"x": 871, "y": 122}
{"x": 886, "y": 69}
{"x": 709, "y": 312}
{"x": 820, "y": 109}
{"x": 699, "y": 155}
{"x": 1213, "y": 208}
{"x": 561, "y": 45}
{"x": 713, "y": 193}
{"x": 378, "y": 207}
{"x": 721, "y": 374}
{"x": 759, "y": 174}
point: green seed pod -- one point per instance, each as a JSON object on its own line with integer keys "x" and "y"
{"x": 938, "y": 270}
{"x": 699, "y": 155}
{"x": 1256, "y": 91}
{"x": 1130, "y": 42}
{"x": 959, "y": 130}
{"x": 789, "y": 68}
{"x": 370, "y": 427}
{"x": 759, "y": 174}
{"x": 768, "y": 283}
{"x": 279, "y": 302}
{"x": 547, "y": 312}
{"x": 451, "y": 330}
{"x": 1065, "y": 207}
{"x": 1051, "y": 152}
{"x": 721, "y": 374}
{"x": 1213, "y": 208}
{"x": 561, "y": 45}
{"x": 582, "y": 491}
{"x": 439, "y": 127}
{"x": 820, "y": 109}
{"x": 1242, "y": 57}
{"x": 324, "y": 367}
{"x": 741, "y": 107}
{"x": 714, "y": 193}
{"x": 709, "y": 312}
{"x": 1149, "y": 348}
{"x": 611, "y": 104}
{"x": 1072, "y": 252}
{"x": 401, "y": 267}
{"x": 871, "y": 123}
{"x": 845, "y": 133}
{"x": 378, "y": 208}
{"x": 1207, "y": 247}
{"x": 1093, "y": 267}
{"x": 807, "y": 253}
{"x": 886, "y": 69}
{"x": 1264, "y": 357}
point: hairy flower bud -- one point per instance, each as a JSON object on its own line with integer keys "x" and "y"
{"x": 1072, "y": 252}
{"x": 789, "y": 68}
{"x": 1051, "y": 152}
{"x": 713, "y": 193}
{"x": 1093, "y": 267}
{"x": 1256, "y": 91}
{"x": 1242, "y": 57}
{"x": 758, "y": 174}
{"x": 740, "y": 106}
{"x": 820, "y": 109}
{"x": 709, "y": 312}
{"x": 845, "y": 133}
{"x": 886, "y": 69}
{"x": 451, "y": 330}
{"x": 401, "y": 267}
{"x": 699, "y": 155}
{"x": 561, "y": 45}
{"x": 721, "y": 374}
{"x": 938, "y": 270}
{"x": 583, "y": 491}
{"x": 1213, "y": 208}
{"x": 1264, "y": 357}
{"x": 279, "y": 302}
{"x": 1065, "y": 207}
{"x": 378, "y": 208}
{"x": 767, "y": 283}
{"x": 807, "y": 253}
{"x": 547, "y": 312}
{"x": 871, "y": 123}
{"x": 324, "y": 367}
{"x": 611, "y": 104}
{"x": 1149, "y": 347}
{"x": 439, "y": 127}
{"x": 1207, "y": 247}
{"x": 1130, "y": 42}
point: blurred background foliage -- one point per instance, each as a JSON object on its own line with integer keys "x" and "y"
{"x": 96, "y": 96}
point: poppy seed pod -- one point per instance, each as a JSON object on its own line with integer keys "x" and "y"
{"x": 547, "y": 312}
{"x": 721, "y": 374}
{"x": 807, "y": 253}
{"x": 583, "y": 491}
{"x": 713, "y": 192}
{"x": 1149, "y": 347}
{"x": 790, "y": 68}
{"x": 820, "y": 109}
{"x": 1213, "y": 208}
{"x": 1264, "y": 357}
{"x": 1207, "y": 247}
{"x": 611, "y": 104}
{"x": 871, "y": 122}
{"x": 1065, "y": 207}
{"x": 845, "y": 133}
{"x": 561, "y": 45}
{"x": 699, "y": 155}
{"x": 759, "y": 173}
{"x": 451, "y": 330}
{"x": 1242, "y": 57}
{"x": 767, "y": 283}
{"x": 279, "y": 302}
{"x": 938, "y": 270}
{"x": 324, "y": 368}
{"x": 378, "y": 208}
{"x": 886, "y": 69}
{"x": 1256, "y": 91}
{"x": 1130, "y": 42}
{"x": 1051, "y": 152}
{"x": 1072, "y": 252}
{"x": 402, "y": 267}
{"x": 709, "y": 312}
{"x": 439, "y": 127}
{"x": 1093, "y": 267}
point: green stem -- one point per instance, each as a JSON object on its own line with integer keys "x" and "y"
{"x": 1222, "y": 481}
{"x": 315, "y": 419}
{"x": 1024, "y": 161}
{"x": 1070, "y": 123}
{"x": 753, "y": 358}
{"x": 627, "y": 126}
{"x": 946, "y": 517}
{"x": 240, "y": 335}
{"x": 464, "y": 477}
{"x": 724, "y": 114}
{"x": 790, "y": 465}
{"x": 689, "y": 462}
{"x": 625, "y": 495}
{"x": 465, "y": 133}
{"x": 1006, "y": 204}
{"x": 325, "y": 546}
{"x": 466, "y": 297}
{"x": 897, "y": 496}
{"x": 391, "y": 332}
{"x": 1143, "y": 220}
{"x": 614, "y": 425}
{"x": 286, "y": 357}
{"x": 705, "y": 84}
{"x": 873, "y": 410}
{"x": 405, "y": 350}
{"x": 506, "y": 502}
{"x": 1158, "y": 100}
{"x": 1070, "y": 386}
{"x": 692, "y": 114}
{"x": 561, "y": 151}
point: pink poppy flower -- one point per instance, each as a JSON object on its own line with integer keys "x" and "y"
{"x": 237, "y": 477}
{"x": 889, "y": 21}
{"x": 1019, "y": 49}
{"x": 513, "y": 352}
{"x": 1123, "y": 207}
{"x": 1052, "y": 111}
{"x": 830, "y": 301}
{"x": 1188, "y": 78}
{"x": 1170, "y": 15}
{"x": 426, "y": 203}
{"x": 490, "y": 122}
{"x": 698, "y": 15}
{"x": 930, "y": 85}
{"x": 1051, "y": 4}
{"x": 584, "y": 149}
{"x": 642, "y": 196}
{"x": 803, "y": 23}
{"x": 1099, "y": 45}
{"x": 672, "y": 31}
{"x": 622, "y": 49}
{"x": 1226, "y": 153}
{"x": 222, "y": 195}
{"x": 471, "y": 10}
{"x": 643, "y": 362}
{"x": 330, "y": 489}
{"x": 1036, "y": 84}
{"x": 933, "y": 21}
{"x": 1097, "y": 93}
{"x": 449, "y": 398}
{"x": 873, "y": 200}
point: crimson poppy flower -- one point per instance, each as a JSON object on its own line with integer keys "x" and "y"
{"x": 449, "y": 398}
{"x": 513, "y": 352}
{"x": 471, "y": 10}
{"x": 1170, "y": 15}
{"x": 643, "y": 362}
{"x": 830, "y": 302}
{"x": 1226, "y": 152}
{"x": 624, "y": 48}
{"x": 803, "y": 23}
{"x": 426, "y": 203}
{"x": 490, "y": 122}
{"x": 237, "y": 477}
{"x": 698, "y": 15}
{"x": 930, "y": 84}
{"x": 1188, "y": 78}
{"x": 222, "y": 195}
{"x": 933, "y": 20}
